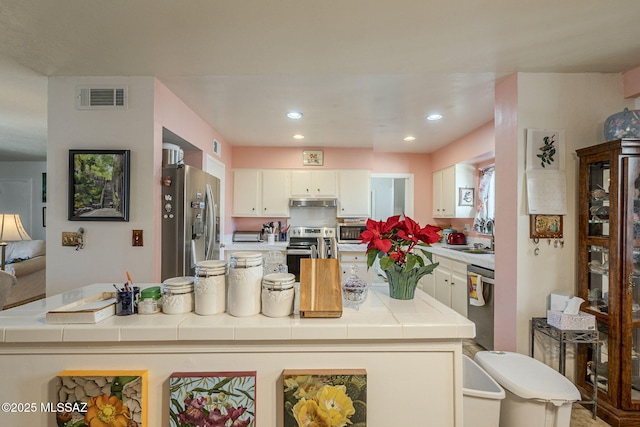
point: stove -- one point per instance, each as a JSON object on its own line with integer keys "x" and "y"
{"x": 301, "y": 241}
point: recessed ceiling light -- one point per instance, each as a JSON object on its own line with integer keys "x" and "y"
{"x": 298, "y": 136}
{"x": 434, "y": 116}
{"x": 295, "y": 115}
{"x": 409, "y": 138}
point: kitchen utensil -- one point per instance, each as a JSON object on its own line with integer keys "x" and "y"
{"x": 320, "y": 289}
{"x": 456, "y": 239}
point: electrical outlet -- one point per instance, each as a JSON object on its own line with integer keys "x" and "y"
{"x": 467, "y": 227}
{"x": 70, "y": 238}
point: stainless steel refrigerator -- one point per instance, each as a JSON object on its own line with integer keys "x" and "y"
{"x": 190, "y": 219}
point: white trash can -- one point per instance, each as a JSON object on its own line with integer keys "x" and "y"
{"x": 536, "y": 394}
{"x": 481, "y": 396}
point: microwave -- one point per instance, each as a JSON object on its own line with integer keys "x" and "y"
{"x": 350, "y": 232}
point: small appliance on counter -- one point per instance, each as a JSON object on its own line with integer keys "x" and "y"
{"x": 456, "y": 239}
{"x": 247, "y": 236}
{"x": 349, "y": 230}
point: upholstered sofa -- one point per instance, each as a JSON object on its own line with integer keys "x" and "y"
{"x": 26, "y": 261}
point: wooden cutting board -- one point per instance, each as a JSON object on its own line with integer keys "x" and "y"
{"x": 320, "y": 288}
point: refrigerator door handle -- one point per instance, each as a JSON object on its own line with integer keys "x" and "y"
{"x": 211, "y": 222}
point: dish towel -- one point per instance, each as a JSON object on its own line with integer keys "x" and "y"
{"x": 475, "y": 290}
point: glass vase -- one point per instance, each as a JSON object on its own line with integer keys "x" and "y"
{"x": 403, "y": 283}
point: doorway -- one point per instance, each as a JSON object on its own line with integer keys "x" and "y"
{"x": 391, "y": 194}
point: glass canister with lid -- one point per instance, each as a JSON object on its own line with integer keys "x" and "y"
{"x": 177, "y": 295}
{"x": 245, "y": 277}
{"x": 354, "y": 289}
{"x": 210, "y": 287}
{"x": 278, "y": 294}
{"x": 150, "y": 300}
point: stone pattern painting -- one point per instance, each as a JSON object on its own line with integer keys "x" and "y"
{"x": 101, "y": 399}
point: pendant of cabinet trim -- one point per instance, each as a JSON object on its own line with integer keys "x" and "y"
{"x": 447, "y": 183}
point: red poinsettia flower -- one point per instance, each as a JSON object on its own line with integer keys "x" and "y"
{"x": 374, "y": 236}
{"x": 394, "y": 240}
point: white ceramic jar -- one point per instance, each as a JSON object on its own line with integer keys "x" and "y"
{"x": 245, "y": 277}
{"x": 210, "y": 287}
{"x": 177, "y": 295}
{"x": 278, "y": 294}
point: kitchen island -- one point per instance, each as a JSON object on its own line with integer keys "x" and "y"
{"x": 411, "y": 351}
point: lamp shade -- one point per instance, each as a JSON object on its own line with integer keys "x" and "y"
{"x": 11, "y": 228}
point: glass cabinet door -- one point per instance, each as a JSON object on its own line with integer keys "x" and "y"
{"x": 630, "y": 286}
{"x": 598, "y": 279}
{"x": 599, "y": 199}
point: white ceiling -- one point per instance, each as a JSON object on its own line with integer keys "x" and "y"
{"x": 364, "y": 72}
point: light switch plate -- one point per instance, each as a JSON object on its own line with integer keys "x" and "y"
{"x": 136, "y": 238}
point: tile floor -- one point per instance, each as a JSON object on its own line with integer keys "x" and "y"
{"x": 580, "y": 415}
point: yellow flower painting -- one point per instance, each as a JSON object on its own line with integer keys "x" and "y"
{"x": 325, "y": 398}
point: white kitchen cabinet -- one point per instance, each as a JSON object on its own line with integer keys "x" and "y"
{"x": 316, "y": 183}
{"x": 354, "y": 193}
{"x": 359, "y": 259}
{"x": 447, "y": 184}
{"x": 450, "y": 284}
{"x": 261, "y": 192}
{"x": 246, "y": 189}
{"x": 428, "y": 284}
{"x": 275, "y": 192}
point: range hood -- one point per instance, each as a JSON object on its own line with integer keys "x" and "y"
{"x": 312, "y": 202}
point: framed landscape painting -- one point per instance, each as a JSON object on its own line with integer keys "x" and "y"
{"x": 98, "y": 185}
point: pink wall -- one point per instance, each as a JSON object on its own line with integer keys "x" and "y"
{"x": 171, "y": 113}
{"x": 631, "y": 83}
{"x": 506, "y": 130}
{"x": 477, "y": 144}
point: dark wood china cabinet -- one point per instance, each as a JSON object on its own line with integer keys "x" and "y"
{"x": 609, "y": 275}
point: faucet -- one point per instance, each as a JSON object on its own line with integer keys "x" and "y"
{"x": 490, "y": 226}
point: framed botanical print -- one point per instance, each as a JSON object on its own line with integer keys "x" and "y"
{"x": 465, "y": 196}
{"x": 313, "y": 157}
{"x": 98, "y": 185}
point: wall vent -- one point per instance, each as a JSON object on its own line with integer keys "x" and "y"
{"x": 100, "y": 98}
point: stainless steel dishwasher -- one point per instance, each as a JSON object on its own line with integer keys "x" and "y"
{"x": 480, "y": 310}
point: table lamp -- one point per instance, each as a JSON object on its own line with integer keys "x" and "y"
{"x": 11, "y": 229}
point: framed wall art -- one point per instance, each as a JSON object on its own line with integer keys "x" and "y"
{"x": 313, "y": 157}
{"x": 98, "y": 185}
{"x": 546, "y": 226}
{"x": 88, "y": 397}
{"x": 466, "y": 196}
{"x": 337, "y": 396}
{"x": 217, "y": 398}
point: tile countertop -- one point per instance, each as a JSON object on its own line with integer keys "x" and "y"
{"x": 482, "y": 260}
{"x": 380, "y": 318}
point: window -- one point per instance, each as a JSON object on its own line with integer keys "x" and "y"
{"x": 486, "y": 202}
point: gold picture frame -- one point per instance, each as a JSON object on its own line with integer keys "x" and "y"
{"x": 312, "y": 157}
{"x": 546, "y": 226}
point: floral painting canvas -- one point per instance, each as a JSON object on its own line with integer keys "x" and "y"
{"x": 212, "y": 399}
{"x": 101, "y": 399}
{"x": 325, "y": 398}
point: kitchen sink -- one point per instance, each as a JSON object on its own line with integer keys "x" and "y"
{"x": 477, "y": 251}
